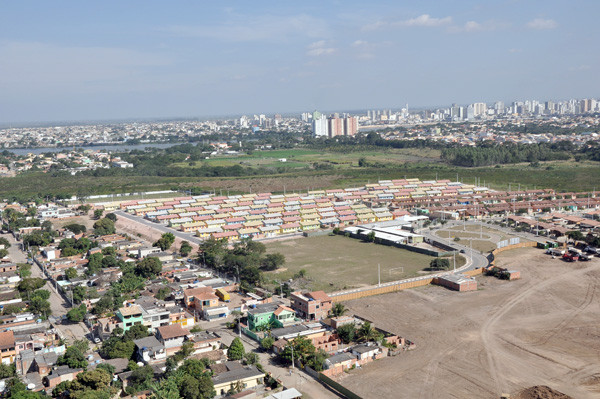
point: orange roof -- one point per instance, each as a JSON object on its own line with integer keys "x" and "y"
{"x": 172, "y": 331}
{"x": 280, "y": 309}
{"x": 7, "y": 340}
{"x": 319, "y": 296}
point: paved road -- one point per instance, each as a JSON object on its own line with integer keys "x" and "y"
{"x": 157, "y": 226}
{"x": 298, "y": 379}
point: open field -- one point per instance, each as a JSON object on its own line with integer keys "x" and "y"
{"x": 540, "y": 330}
{"x": 383, "y": 164}
{"x": 334, "y": 262}
{"x": 483, "y": 238}
{"x": 303, "y": 158}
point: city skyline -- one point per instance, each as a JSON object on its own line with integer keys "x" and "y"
{"x": 147, "y": 61}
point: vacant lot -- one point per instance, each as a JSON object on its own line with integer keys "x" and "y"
{"x": 540, "y": 330}
{"x": 334, "y": 262}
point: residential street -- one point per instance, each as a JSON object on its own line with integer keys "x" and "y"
{"x": 311, "y": 388}
{"x": 58, "y": 305}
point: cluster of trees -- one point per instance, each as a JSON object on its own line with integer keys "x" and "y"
{"x": 247, "y": 259}
{"x": 120, "y": 343}
{"x": 15, "y": 220}
{"x": 30, "y": 289}
{"x": 304, "y": 352}
{"x": 104, "y": 226}
{"x": 439, "y": 263}
{"x": 5, "y": 245}
{"x": 165, "y": 241}
{"x": 76, "y": 228}
{"x": 71, "y": 246}
{"x": 191, "y": 380}
{"x": 365, "y": 333}
{"x": 494, "y": 154}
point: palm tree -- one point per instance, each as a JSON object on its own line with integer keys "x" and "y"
{"x": 367, "y": 333}
{"x": 338, "y": 310}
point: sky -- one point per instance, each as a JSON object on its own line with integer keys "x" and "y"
{"x": 109, "y": 60}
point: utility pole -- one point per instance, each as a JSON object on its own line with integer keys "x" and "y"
{"x": 379, "y": 275}
{"x": 292, "y": 346}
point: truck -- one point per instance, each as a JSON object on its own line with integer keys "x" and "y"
{"x": 224, "y": 295}
{"x": 571, "y": 257}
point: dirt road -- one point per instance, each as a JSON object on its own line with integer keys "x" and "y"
{"x": 540, "y": 330}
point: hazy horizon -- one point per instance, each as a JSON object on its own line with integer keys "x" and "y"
{"x": 115, "y": 61}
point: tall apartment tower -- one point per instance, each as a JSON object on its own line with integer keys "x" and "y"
{"x": 350, "y": 125}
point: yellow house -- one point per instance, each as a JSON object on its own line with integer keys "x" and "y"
{"x": 238, "y": 378}
{"x": 308, "y": 225}
{"x": 253, "y": 223}
{"x": 191, "y": 227}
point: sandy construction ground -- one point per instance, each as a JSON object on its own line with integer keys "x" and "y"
{"x": 540, "y": 330}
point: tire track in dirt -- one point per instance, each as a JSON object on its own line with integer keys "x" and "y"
{"x": 587, "y": 301}
{"x": 488, "y": 336}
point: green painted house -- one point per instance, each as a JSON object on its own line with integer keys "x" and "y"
{"x": 270, "y": 315}
{"x": 130, "y": 316}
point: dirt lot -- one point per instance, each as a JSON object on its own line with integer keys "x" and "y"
{"x": 346, "y": 262}
{"x": 540, "y": 330}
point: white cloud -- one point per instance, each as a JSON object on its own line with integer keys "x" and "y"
{"x": 268, "y": 28}
{"x": 540, "y": 23}
{"x": 515, "y": 50}
{"x": 474, "y": 26}
{"x": 426, "y": 20}
{"x": 358, "y": 43}
{"x": 319, "y": 48}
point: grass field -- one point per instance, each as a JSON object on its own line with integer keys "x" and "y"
{"x": 300, "y": 158}
{"x": 299, "y": 175}
{"x": 333, "y": 263}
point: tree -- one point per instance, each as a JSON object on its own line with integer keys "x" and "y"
{"x": 576, "y": 235}
{"x": 76, "y": 228}
{"x": 148, "y": 267}
{"x": 140, "y": 379}
{"x": 303, "y": 348}
{"x": 236, "y": 350}
{"x": 74, "y": 357}
{"x": 316, "y": 360}
{"x": 185, "y": 248}
{"x": 346, "y": 332}
{"x": 439, "y": 263}
{"x": 4, "y": 242}
{"x": 98, "y": 213}
{"x": 3, "y": 253}
{"x": 24, "y": 269}
{"x": 70, "y": 273}
{"x": 40, "y": 306}
{"x": 273, "y": 261}
{"x": 165, "y": 241}
{"x": 77, "y": 315}
{"x": 267, "y": 343}
{"x": 7, "y": 370}
{"x": 367, "y": 333}
{"x": 250, "y": 275}
{"x": 251, "y": 358}
{"x": 111, "y": 216}
{"x": 370, "y": 237}
{"x": 104, "y": 227}
{"x": 338, "y": 309}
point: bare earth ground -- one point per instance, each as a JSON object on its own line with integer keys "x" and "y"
{"x": 540, "y": 330}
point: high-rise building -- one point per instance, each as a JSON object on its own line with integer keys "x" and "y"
{"x": 350, "y": 125}
{"x": 319, "y": 123}
{"x": 335, "y": 126}
{"x": 479, "y": 109}
{"x": 499, "y": 107}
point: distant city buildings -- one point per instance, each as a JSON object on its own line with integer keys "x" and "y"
{"x": 333, "y": 125}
